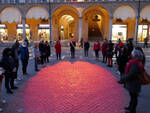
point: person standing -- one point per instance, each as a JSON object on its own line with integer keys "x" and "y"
{"x": 24, "y": 55}
{"x": 42, "y": 51}
{"x": 9, "y": 68}
{"x": 86, "y": 48}
{"x": 36, "y": 56}
{"x": 72, "y": 48}
{"x": 47, "y": 50}
{"x": 133, "y": 83}
{"x": 110, "y": 53}
{"x": 15, "y": 56}
{"x": 81, "y": 43}
{"x": 96, "y": 49}
{"x": 1, "y": 80}
{"x": 145, "y": 42}
{"x": 58, "y": 50}
{"x": 104, "y": 50}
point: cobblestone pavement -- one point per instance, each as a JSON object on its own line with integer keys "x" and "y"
{"x": 73, "y": 85}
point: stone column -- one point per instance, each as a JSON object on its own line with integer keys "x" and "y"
{"x": 136, "y": 29}
{"x": 80, "y": 28}
{"x": 50, "y": 29}
{"x": 24, "y": 28}
{"x": 110, "y": 28}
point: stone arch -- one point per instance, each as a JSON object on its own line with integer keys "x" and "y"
{"x": 100, "y": 6}
{"x": 66, "y": 7}
{"x": 124, "y": 19}
{"x": 7, "y": 11}
{"x": 43, "y": 14}
{"x": 145, "y": 13}
{"x": 35, "y": 16}
{"x": 95, "y": 30}
{"x": 124, "y": 12}
{"x": 11, "y": 16}
{"x": 65, "y": 10}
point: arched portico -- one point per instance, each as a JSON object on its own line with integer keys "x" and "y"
{"x": 124, "y": 21}
{"x": 9, "y": 17}
{"x": 144, "y": 24}
{"x": 37, "y": 18}
{"x": 95, "y": 23}
{"x": 65, "y": 23}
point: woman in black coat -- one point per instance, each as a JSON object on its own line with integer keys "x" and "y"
{"x": 110, "y": 53}
{"x": 133, "y": 83}
{"x": 10, "y": 69}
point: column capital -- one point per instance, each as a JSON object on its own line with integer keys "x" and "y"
{"x": 80, "y": 17}
{"x": 111, "y": 17}
{"x": 23, "y": 17}
{"x": 138, "y": 16}
{"x": 50, "y": 17}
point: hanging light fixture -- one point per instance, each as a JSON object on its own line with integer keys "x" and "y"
{"x": 96, "y": 18}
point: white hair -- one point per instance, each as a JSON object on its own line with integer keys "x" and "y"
{"x": 137, "y": 54}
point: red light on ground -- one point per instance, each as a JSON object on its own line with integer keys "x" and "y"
{"x": 73, "y": 87}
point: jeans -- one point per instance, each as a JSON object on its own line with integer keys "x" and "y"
{"x": 24, "y": 65}
{"x": 58, "y": 56}
{"x": 72, "y": 54}
{"x": 133, "y": 102}
{"x": 86, "y": 52}
{"x": 104, "y": 58}
{"x": 96, "y": 53}
{"x": 1, "y": 91}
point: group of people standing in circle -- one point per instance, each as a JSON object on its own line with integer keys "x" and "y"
{"x": 127, "y": 56}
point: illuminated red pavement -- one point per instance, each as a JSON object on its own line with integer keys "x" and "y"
{"x": 70, "y": 88}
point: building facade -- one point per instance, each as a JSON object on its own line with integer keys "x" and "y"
{"x": 66, "y": 19}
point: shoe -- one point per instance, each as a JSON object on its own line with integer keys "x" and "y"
{"x": 108, "y": 65}
{"x": 36, "y": 70}
{"x": 1, "y": 109}
{"x": 9, "y": 92}
{"x": 19, "y": 79}
{"x": 127, "y": 108}
{"x": 3, "y": 101}
{"x": 15, "y": 82}
{"x": 14, "y": 87}
{"x": 120, "y": 82}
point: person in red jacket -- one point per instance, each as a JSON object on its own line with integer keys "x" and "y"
{"x": 104, "y": 50}
{"x": 96, "y": 48}
{"x": 58, "y": 50}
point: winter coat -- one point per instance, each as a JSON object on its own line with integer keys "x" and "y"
{"x": 86, "y": 45}
{"x": 122, "y": 61}
{"x": 58, "y": 48}
{"x": 47, "y": 50}
{"x": 104, "y": 48}
{"x": 8, "y": 65}
{"x": 24, "y": 52}
{"x": 133, "y": 83}
{"x": 96, "y": 46}
{"x": 42, "y": 48}
{"x": 110, "y": 50}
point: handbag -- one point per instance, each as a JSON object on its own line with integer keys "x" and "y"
{"x": 144, "y": 78}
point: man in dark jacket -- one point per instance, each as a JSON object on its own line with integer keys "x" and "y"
{"x": 42, "y": 51}
{"x": 86, "y": 48}
{"x": 24, "y": 54}
{"x": 72, "y": 48}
